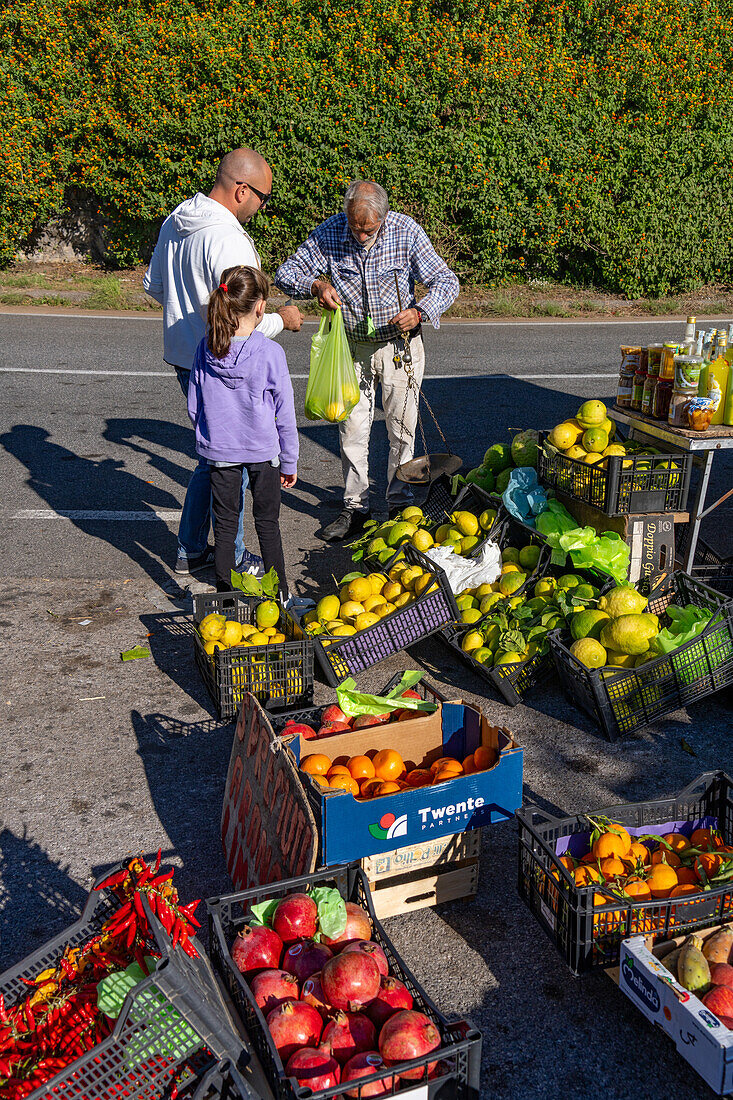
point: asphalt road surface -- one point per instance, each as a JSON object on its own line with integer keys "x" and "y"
{"x": 104, "y": 758}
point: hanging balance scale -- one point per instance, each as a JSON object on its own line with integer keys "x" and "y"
{"x": 427, "y": 467}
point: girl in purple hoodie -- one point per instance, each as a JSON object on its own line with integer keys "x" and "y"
{"x": 240, "y": 399}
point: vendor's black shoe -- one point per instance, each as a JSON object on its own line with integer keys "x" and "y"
{"x": 350, "y": 522}
{"x": 185, "y": 566}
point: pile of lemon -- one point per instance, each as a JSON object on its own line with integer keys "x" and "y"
{"x": 363, "y": 601}
{"x": 412, "y": 527}
{"x": 617, "y": 633}
{"x": 218, "y": 632}
{"x": 588, "y": 437}
{"x": 516, "y": 566}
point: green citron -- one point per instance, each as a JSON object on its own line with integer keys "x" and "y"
{"x": 483, "y": 655}
{"x": 528, "y": 557}
{"x": 442, "y": 533}
{"x": 511, "y": 658}
{"x": 488, "y": 601}
{"x": 470, "y": 615}
{"x": 623, "y": 600}
{"x": 498, "y": 458}
{"x": 464, "y": 602}
{"x": 629, "y": 634}
{"x": 585, "y": 592}
{"x": 327, "y": 608}
{"x": 267, "y": 614}
{"x": 589, "y": 652}
{"x": 545, "y": 587}
{"x": 412, "y": 514}
{"x": 591, "y": 414}
{"x": 400, "y": 533}
{"x": 588, "y": 624}
{"x": 502, "y": 480}
{"x": 568, "y": 581}
{"x": 375, "y": 546}
{"x": 486, "y": 519}
{"x": 491, "y": 633}
{"x": 594, "y": 439}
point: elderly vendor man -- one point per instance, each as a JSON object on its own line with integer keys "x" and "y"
{"x": 367, "y": 260}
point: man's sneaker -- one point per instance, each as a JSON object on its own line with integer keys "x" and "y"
{"x": 350, "y": 522}
{"x": 250, "y": 563}
{"x": 298, "y": 605}
{"x": 185, "y": 565}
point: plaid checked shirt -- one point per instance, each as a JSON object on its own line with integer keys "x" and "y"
{"x": 365, "y": 279}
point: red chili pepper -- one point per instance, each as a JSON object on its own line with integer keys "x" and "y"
{"x": 177, "y": 929}
{"x": 113, "y": 880}
{"x": 138, "y": 905}
{"x": 3, "y": 1011}
{"x": 153, "y": 903}
{"x": 30, "y": 1018}
{"x": 189, "y": 949}
{"x": 161, "y": 878}
{"x": 188, "y": 911}
{"x": 157, "y": 861}
{"x": 67, "y": 968}
{"x": 165, "y": 914}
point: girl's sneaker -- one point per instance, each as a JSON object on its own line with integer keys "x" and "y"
{"x": 252, "y": 564}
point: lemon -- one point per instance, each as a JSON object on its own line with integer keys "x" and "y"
{"x": 510, "y": 553}
{"x": 309, "y": 617}
{"x": 385, "y": 555}
{"x": 614, "y": 449}
{"x": 488, "y": 601}
{"x": 510, "y": 583}
{"x": 470, "y": 615}
{"x": 422, "y": 540}
{"x": 410, "y": 575}
{"x": 481, "y": 591}
{"x": 350, "y": 609}
{"x": 377, "y": 582}
{"x": 213, "y": 644}
{"x": 384, "y": 610}
{"x": 565, "y": 435}
{"x": 441, "y": 533}
{"x": 334, "y": 623}
{"x": 576, "y": 452}
{"x": 270, "y": 631}
{"x": 609, "y": 427}
{"x": 258, "y": 638}
{"x": 344, "y": 631}
{"x": 405, "y": 598}
{"x": 585, "y": 592}
{"x": 510, "y": 567}
{"x": 373, "y": 601}
{"x": 334, "y": 412}
{"x": 595, "y": 439}
{"x": 212, "y": 626}
{"x": 466, "y": 522}
{"x": 471, "y": 641}
{"x": 392, "y": 590}
{"x": 424, "y": 584}
{"x": 468, "y": 544}
{"x": 592, "y": 458}
{"x": 629, "y": 634}
{"x": 568, "y": 581}
{"x": 466, "y": 601}
{"x": 537, "y": 603}
{"x": 278, "y": 637}
{"x": 588, "y": 624}
{"x": 486, "y": 519}
{"x": 622, "y": 600}
{"x": 454, "y": 536}
{"x": 491, "y": 634}
{"x": 528, "y": 557}
{"x": 367, "y": 618}
{"x": 412, "y": 514}
{"x": 400, "y": 532}
{"x": 591, "y": 414}
{"x": 589, "y": 652}
{"x": 621, "y": 660}
{"x": 545, "y": 587}
{"x": 511, "y": 658}
{"x": 397, "y": 570}
{"x": 267, "y": 613}
{"x": 375, "y": 547}
{"x": 483, "y": 655}
{"x": 232, "y": 633}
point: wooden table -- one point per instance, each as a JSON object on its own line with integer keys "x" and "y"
{"x": 702, "y": 445}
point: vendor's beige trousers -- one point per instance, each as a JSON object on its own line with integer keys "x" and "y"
{"x": 374, "y": 365}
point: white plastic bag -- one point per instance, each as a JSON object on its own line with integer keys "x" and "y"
{"x": 465, "y": 573}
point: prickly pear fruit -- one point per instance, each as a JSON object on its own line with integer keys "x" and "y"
{"x": 693, "y": 972}
{"x": 717, "y": 948}
{"x": 671, "y": 960}
{"x": 719, "y": 1000}
{"x": 721, "y": 974}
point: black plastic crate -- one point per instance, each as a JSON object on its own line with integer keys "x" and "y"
{"x": 589, "y": 936}
{"x": 173, "y": 1029}
{"x": 511, "y": 681}
{"x": 460, "y": 1055}
{"x": 628, "y": 699}
{"x": 439, "y": 499}
{"x": 619, "y": 485}
{"x": 279, "y": 675}
{"x": 348, "y": 656}
{"x": 710, "y": 567}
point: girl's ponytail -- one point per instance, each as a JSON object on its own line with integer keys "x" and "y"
{"x": 238, "y": 292}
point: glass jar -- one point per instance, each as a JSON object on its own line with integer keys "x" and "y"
{"x": 687, "y": 373}
{"x": 654, "y": 359}
{"x": 647, "y": 398}
{"x": 666, "y": 369}
{"x": 678, "y": 408}
{"x": 662, "y": 399}
{"x": 637, "y": 389}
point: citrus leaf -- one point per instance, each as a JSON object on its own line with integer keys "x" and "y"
{"x": 245, "y": 582}
{"x": 270, "y": 583}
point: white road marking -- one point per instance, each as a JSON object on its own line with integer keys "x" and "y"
{"x": 296, "y": 377}
{"x": 168, "y": 516}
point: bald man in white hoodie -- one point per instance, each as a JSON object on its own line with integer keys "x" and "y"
{"x": 202, "y": 237}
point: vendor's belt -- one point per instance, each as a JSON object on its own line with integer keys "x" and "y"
{"x": 376, "y": 340}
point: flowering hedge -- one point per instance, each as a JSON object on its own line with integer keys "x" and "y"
{"x": 585, "y": 140}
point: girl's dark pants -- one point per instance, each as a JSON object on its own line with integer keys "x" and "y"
{"x": 264, "y": 483}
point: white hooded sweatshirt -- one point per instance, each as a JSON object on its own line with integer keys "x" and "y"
{"x": 197, "y": 242}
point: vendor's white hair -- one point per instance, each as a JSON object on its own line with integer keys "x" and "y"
{"x": 368, "y": 194}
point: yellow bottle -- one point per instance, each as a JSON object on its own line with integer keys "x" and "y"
{"x": 718, "y": 372}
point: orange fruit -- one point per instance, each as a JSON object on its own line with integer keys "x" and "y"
{"x": 337, "y": 769}
{"x": 315, "y": 764}
{"x": 638, "y": 853}
{"x": 444, "y": 776}
{"x": 637, "y": 889}
{"x": 588, "y": 858}
{"x": 388, "y": 764}
{"x": 438, "y": 764}
{"x": 710, "y": 863}
{"x": 705, "y": 838}
{"x": 360, "y": 767}
{"x": 454, "y": 766}
{"x": 685, "y": 888}
{"x": 368, "y": 787}
{"x": 323, "y": 782}
{"x": 585, "y": 875}
{"x": 469, "y": 765}
{"x": 677, "y": 840}
{"x": 663, "y": 855}
{"x": 484, "y": 757}
{"x": 388, "y": 786}
{"x": 344, "y": 783}
{"x": 612, "y": 867}
{"x": 568, "y": 862}
{"x": 419, "y": 777}
{"x": 612, "y": 844}
{"x": 662, "y": 880}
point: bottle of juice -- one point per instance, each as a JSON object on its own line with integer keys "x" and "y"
{"x": 718, "y": 373}
{"x": 728, "y": 406}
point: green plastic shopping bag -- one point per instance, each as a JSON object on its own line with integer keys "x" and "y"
{"x": 333, "y": 388}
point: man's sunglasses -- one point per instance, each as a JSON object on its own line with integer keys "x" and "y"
{"x": 264, "y": 199}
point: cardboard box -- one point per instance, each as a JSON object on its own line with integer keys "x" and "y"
{"x": 350, "y": 829}
{"x": 698, "y": 1034}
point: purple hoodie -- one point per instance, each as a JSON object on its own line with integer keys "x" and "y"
{"x": 242, "y": 405}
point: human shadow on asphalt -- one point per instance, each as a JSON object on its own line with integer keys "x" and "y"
{"x": 70, "y": 482}
{"x": 128, "y": 431}
{"x": 38, "y": 898}
{"x": 186, "y": 767}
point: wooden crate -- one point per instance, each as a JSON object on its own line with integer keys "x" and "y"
{"x": 406, "y": 879}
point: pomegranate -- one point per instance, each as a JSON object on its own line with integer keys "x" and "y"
{"x": 349, "y": 1033}
{"x": 351, "y": 980}
{"x": 365, "y": 1065}
{"x": 305, "y": 958}
{"x": 272, "y": 988}
{"x": 358, "y": 927}
{"x": 332, "y": 715}
{"x": 404, "y": 715}
{"x": 410, "y": 694}
{"x": 300, "y": 729}
{"x": 294, "y": 1024}
{"x": 367, "y": 947}
{"x": 393, "y": 995}
{"x": 408, "y": 1035}
{"x": 257, "y": 948}
{"x": 332, "y": 727}
{"x": 314, "y": 1067}
{"x": 312, "y": 993}
{"x": 721, "y": 974}
{"x": 365, "y": 720}
{"x": 296, "y": 917}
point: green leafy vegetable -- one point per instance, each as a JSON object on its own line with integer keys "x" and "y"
{"x": 331, "y": 911}
{"x": 264, "y": 911}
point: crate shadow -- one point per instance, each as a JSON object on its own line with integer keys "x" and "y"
{"x": 171, "y": 646}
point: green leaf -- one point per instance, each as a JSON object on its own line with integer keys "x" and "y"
{"x": 271, "y": 583}
{"x": 245, "y": 582}
{"x": 135, "y": 654}
{"x": 350, "y": 577}
{"x": 357, "y": 555}
{"x": 331, "y": 911}
{"x": 511, "y": 641}
{"x": 264, "y": 911}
